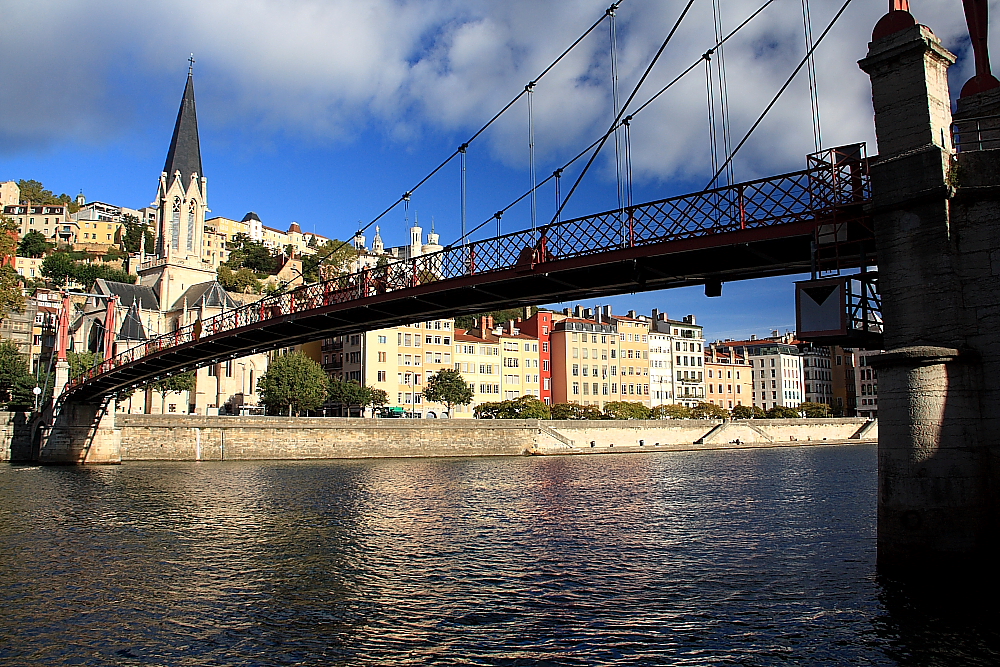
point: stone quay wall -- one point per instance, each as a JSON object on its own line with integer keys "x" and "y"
{"x": 192, "y": 437}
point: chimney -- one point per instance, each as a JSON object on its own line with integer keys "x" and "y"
{"x": 599, "y": 314}
{"x": 489, "y": 322}
{"x": 588, "y": 313}
{"x": 578, "y": 311}
{"x": 774, "y": 333}
{"x": 527, "y": 312}
{"x": 567, "y": 312}
{"x": 510, "y": 327}
{"x": 753, "y": 336}
{"x": 632, "y": 314}
{"x": 656, "y": 314}
{"x": 690, "y": 319}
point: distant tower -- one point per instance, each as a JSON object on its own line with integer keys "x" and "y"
{"x": 182, "y": 196}
{"x": 377, "y": 246}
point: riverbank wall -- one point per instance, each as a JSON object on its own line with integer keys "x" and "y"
{"x": 192, "y": 437}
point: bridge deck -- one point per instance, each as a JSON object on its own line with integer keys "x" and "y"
{"x": 750, "y": 230}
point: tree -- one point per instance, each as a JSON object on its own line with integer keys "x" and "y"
{"x": 11, "y": 294}
{"x": 671, "y": 411}
{"x": 80, "y": 362}
{"x": 706, "y": 410}
{"x": 135, "y": 230}
{"x": 16, "y": 382}
{"x": 576, "y": 411}
{"x": 352, "y": 392}
{"x": 177, "y": 382}
{"x": 8, "y": 237}
{"x": 782, "y": 412}
{"x": 293, "y": 382}
{"x": 35, "y": 192}
{"x": 33, "y": 244}
{"x": 747, "y": 412}
{"x": 244, "y": 252}
{"x": 449, "y": 387}
{"x": 242, "y": 280}
{"x": 58, "y": 268}
{"x": 626, "y": 410}
{"x": 814, "y": 410}
{"x": 332, "y": 259}
{"x": 524, "y": 407}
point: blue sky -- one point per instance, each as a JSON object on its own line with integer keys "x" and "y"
{"x": 323, "y": 112}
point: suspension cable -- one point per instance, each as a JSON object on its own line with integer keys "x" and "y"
{"x": 720, "y": 65}
{"x": 784, "y": 87}
{"x": 615, "y": 99}
{"x": 710, "y": 98}
{"x": 479, "y": 132}
{"x": 635, "y": 91}
{"x": 811, "y": 72}
{"x": 530, "y": 88}
{"x": 557, "y": 174}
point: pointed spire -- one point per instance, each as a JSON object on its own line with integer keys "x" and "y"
{"x": 185, "y": 149}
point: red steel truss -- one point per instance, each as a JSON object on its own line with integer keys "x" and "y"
{"x": 827, "y": 195}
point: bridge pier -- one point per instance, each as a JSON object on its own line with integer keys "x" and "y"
{"x": 937, "y": 226}
{"x": 81, "y": 432}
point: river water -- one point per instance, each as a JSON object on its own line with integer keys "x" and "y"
{"x": 750, "y": 557}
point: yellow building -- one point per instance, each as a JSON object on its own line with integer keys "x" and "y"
{"x": 477, "y": 358}
{"x": 633, "y": 357}
{"x": 728, "y": 378}
{"x": 584, "y": 360}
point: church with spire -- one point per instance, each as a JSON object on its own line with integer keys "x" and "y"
{"x": 176, "y": 263}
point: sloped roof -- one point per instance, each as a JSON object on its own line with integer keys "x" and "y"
{"x": 209, "y": 294}
{"x": 132, "y": 328}
{"x": 185, "y": 149}
{"x": 129, "y": 294}
{"x": 250, "y": 216}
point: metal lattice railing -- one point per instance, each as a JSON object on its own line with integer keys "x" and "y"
{"x": 976, "y": 134}
{"x": 835, "y": 178}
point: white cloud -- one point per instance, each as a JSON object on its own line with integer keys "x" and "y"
{"x": 327, "y": 68}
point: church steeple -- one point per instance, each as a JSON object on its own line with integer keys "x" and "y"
{"x": 185, "y": 149}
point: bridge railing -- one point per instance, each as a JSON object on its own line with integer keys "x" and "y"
{"x": 835, "y": 178}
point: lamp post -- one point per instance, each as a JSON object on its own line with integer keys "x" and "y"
{"x": 243, "y": 378}
{"x": 37, "y": 391}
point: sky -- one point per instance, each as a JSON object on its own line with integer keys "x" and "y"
{"x": 324, "y": 112}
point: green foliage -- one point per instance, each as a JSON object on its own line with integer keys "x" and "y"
{"x": 244, "y": 252}
{"x": 35, "y": 192}
{"x": 11, "y": 294}
{"x": 449, "y": 387}
{"x": 16, "y": 382}
{"x": 33, "y": 244}
{"x": 242, "y": 280}
{"x": 332, "y": 259}
{"x": 782, "y": 412}
{"x": 351, "y": 392}
{"x": 113, "y": 254}
{"x": 747, "y": 412}
{"x": 576, "y": 411}
{"x": 525, "y": 407}
{"x": 626, "y": 410}
{"x": 810, "y": 409}
{"x": 132, "y": 239}
{"x": 80, "y": 362}
{"x": 60, "y": 268}
{"x": 177, "y": 382}
{"x": 8, "y": 237}
{"x": 469, "y": 321}
{"x": 670, "y": 412}
{"x": 293, "y": 383}
{"x": 705, "y": 410}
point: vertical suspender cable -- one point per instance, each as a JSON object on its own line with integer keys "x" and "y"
{"x": 710, "y": 97}
{"x": 557, "y": 175}
{"x": 811, "y": 72}
{"x": 463, "y": 149}
{"x": 720, "y": 65}
{"x": 627, "y": 122}
{"x": 530, "y": 89}
{"x": 617, "y": 108}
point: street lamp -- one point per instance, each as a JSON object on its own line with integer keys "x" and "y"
{"x": 243, "y": 379}
{"x": 37, "y": 391}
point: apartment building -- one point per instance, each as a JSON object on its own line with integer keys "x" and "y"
{"x": 396, "y": 360}
{"x": 777, "y": 370}
{"x": 51, "y": 220}
{"x": 584, "y": 356}
{"x": 817, "y": 373}
{"x": 10, "y": 193}
{"x": 633, "y": 357}
{"x": 685, "y": 341}
{"x": 477, "y": 357}
{"x": 539, "y": 326}
{"x": 728, "y": 381}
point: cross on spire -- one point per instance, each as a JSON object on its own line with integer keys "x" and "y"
{"x": 191, "y": 62}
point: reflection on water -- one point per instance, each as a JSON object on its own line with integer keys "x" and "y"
{"x": 753, "y": 557}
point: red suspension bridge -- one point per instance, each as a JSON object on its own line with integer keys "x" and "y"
{"x": 792, "y": 223}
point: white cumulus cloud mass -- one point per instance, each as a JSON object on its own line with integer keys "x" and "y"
{"x": 328, "y": 70}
